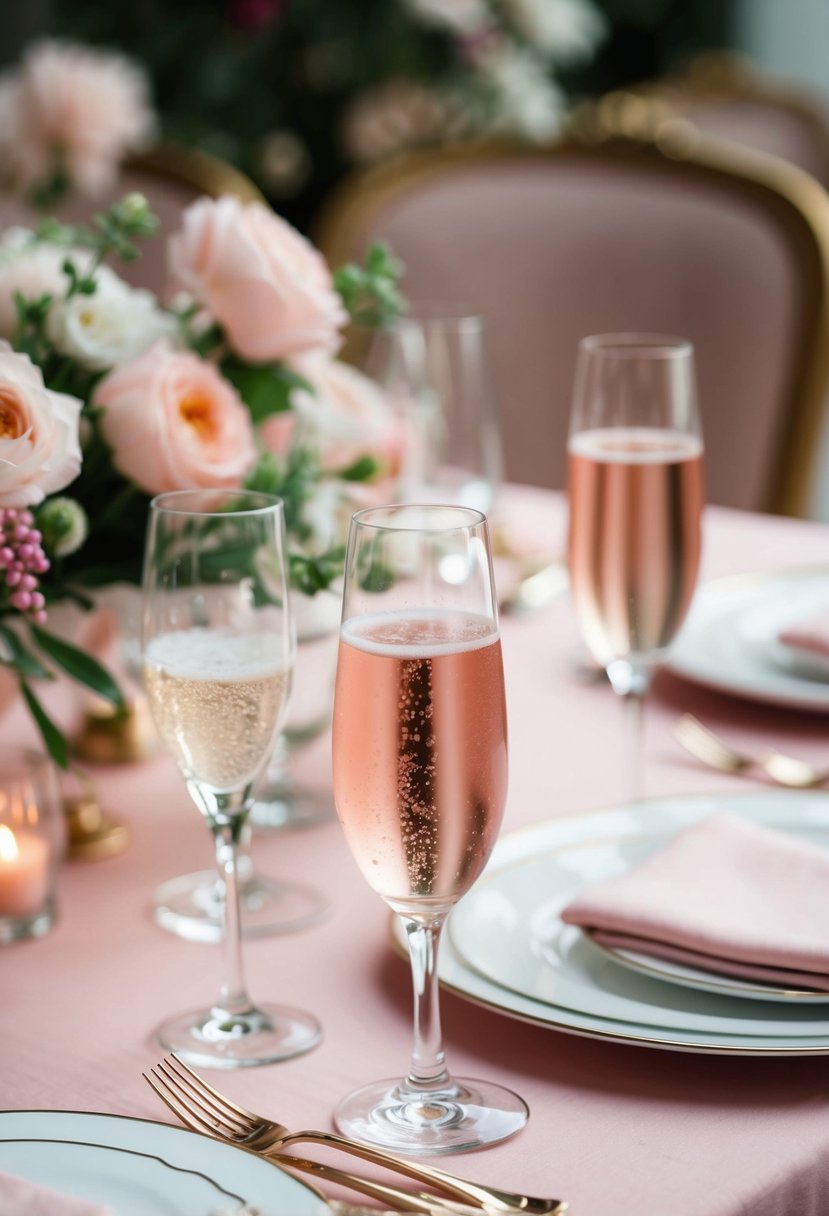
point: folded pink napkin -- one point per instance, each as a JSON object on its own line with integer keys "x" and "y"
{"x": 726, "y": 895}
{"x": 810, "y": 635}
{"x": 19, "y": 1197}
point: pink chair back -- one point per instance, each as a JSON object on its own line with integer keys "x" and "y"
{"x": 553, "y": 245}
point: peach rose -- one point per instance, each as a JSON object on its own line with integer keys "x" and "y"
{"x": 76, "y": 106}
{"x": 264, "y": 283}
{"x": 39, "y": 447}
{"x": 174, "y": 423}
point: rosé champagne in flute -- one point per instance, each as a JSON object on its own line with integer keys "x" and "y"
{"x": 420, "y": 781}
{"x": 636, "y": 493}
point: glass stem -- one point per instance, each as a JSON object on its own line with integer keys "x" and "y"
{"x": 631, "y": 680}
{"x": 635, "y": 714}
{"x": 428, "y": 1068}
{"x": 233, "y": 997}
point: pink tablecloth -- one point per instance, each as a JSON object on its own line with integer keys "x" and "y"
{"x": 617, "y": 1130}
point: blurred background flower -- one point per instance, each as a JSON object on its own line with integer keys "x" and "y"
{"x": 296, "y": 92}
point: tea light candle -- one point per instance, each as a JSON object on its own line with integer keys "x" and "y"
{"x": 24, "y": 872}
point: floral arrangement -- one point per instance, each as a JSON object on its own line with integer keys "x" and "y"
{"x": 109, "y": 395}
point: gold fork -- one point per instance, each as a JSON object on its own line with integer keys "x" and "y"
{"x": 207, "y": 1110}
{"x": 714, "y": 751}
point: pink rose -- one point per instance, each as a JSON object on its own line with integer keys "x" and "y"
{"x": 174, "y": 423}
{"x": 39, "y": 447}
{"x": 71, "y": 105}
{"x": 347, "y": 417}
{"x": 264, "y": 283}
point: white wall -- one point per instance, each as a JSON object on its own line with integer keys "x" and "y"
{"x": 787, "y": 36}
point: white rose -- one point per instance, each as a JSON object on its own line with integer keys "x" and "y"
{"x": 33, "y": 269}
{"x": 39, "y": 448}
{"x": 113, "y": 325}
{"x": 527, "y": 103}
{"x": 566, "y": 30}
{"x": 458, "y": 16}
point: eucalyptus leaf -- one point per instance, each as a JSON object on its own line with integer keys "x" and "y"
{"x": 53, "y": 738}
{"x": 22, "y": 659}
{"x": 79, "y": 665}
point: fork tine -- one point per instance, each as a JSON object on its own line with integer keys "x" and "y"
{"x": 222, "y": 1106}
{"x": 190, "y": 1087}
{"x": 190, "y": 1117}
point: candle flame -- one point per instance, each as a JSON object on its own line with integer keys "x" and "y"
{"x": 8, "y": 845}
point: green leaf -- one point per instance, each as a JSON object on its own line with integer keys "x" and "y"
{"x": 54, "y": 739}
{"x": 79, "y": 665}
{"x": 22, "y": 660}
{"x": 370, "y": 293}
{"x": 362, "y": 470}
{"x": 265, "y": 388}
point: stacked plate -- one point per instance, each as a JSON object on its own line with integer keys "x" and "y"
{"x": 731, "y": 640}
{"x": 508, "y": 949}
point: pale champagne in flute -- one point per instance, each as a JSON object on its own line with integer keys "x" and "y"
{"x": 218, "y": 650}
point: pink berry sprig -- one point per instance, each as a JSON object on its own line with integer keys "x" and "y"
{"x": 22, "y": 559}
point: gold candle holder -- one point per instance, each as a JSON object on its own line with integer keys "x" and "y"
{"x": 92, "y": 834}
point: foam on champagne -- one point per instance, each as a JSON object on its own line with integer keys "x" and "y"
{"x": 635, "y": 445}
{"x": 424, "y": 634}
{"x": 212, "y": 654}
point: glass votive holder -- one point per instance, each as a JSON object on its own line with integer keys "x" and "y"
{"x": 32, "y": 835}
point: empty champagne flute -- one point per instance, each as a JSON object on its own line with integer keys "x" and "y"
{"x": 420, "y": 780}
{"x": 433, "y": 364}
{"x": 636, "y": 494}
{"x": 218, "y": 649}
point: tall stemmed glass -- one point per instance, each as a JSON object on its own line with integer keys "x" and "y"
{"x": 420, "y": 779}
{"x": 636, "y": 495}
{"x": 218, "y": 650}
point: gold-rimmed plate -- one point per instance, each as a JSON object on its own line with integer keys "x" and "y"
{"x": 730, "y": 641}
{"x": 143, "y": 1168}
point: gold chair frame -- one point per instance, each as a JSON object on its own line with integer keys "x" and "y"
{"x": 798, "y": 203}
{"x": 203, "y": 173}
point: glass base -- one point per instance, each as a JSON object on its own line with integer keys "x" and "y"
{"x": 191, "y": 906}
{"x": 213, "y": 1038}
{"x": 19, "y": 928}
{"x": 464, "y": 1116}
{"x": 291, "y": 806}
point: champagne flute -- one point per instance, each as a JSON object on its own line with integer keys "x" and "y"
{"x": 218, "y": 649}
{"x": 420, "y": 780}
{"x": 636, "y": 492}
{"x": 433, "y": 363}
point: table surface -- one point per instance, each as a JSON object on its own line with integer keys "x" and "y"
{"x": 617, "y": 1130}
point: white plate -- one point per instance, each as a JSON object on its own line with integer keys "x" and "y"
{"x": 142, "y": 1168}
{"x": 507, "y": 948}
{"x": 707, "y": 981}
{"x": 729, "y": 641}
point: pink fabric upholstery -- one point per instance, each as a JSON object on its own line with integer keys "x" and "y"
{"x": 551, "y": 250}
